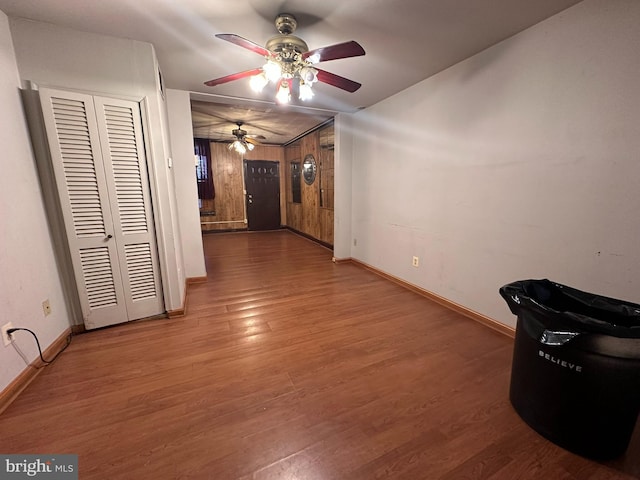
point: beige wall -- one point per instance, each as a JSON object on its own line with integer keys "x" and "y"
{"x": 179, "y": 110}
{"x": 28, "y": 271}
{"x": 519, "y": 162}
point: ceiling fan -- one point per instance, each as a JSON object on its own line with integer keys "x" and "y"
{"x": 290, "y": 65}
{"x": 243, "y": 142}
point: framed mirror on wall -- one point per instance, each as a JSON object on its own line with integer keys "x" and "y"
{"x": 309, "y": 168}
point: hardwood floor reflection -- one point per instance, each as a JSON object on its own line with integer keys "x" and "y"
{"x": 288, "y": 366}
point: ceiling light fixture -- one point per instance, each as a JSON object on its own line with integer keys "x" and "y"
{"x": 283, "y": 70}
{"x": 284, "y": 92}
{"x": 240, "y": 144}
{"x": 289, "y": 64}
{"x": 306, "y": 93}
{"x": 286, "y": 66}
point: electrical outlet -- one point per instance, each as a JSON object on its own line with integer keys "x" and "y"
{"x": 416, "y": 262}
{"x": 46, "y": 307}
{"x": 6, "y": 339}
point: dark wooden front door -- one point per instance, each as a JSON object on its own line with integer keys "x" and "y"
{"x": 262, "y": 182}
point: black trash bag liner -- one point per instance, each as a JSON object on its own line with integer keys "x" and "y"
{"x": 575, "y": 374}
{"x": 559, "y": 307}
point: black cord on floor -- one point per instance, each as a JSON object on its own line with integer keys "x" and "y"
{"x": 46, "y": 362}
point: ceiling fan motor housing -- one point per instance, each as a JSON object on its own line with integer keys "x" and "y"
{"x": 286, "y": 23}
{"x": 287, "y": 48}
{"x": 286, "y": 43}
{"x": 239, "y": 132}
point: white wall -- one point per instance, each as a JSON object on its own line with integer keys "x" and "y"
{"x": 28, "y": 272}
{"x": 64, "y": 58}
{"x": 343, "y": 156}
{"x": 184, "y": 172}
{"x": 520, "y": 162}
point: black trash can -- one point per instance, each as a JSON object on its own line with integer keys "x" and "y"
{"x": 575, "y": 377}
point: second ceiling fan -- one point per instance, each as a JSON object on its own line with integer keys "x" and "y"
{"x": 242, "y": 141}
{"x": 290, "y": 65}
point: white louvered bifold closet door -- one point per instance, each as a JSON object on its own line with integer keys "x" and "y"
{"x": 101, "y": 178}
{"x": 126, "y": 172}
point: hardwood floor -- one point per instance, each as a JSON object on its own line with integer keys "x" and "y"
{"x": 288, "y": 366}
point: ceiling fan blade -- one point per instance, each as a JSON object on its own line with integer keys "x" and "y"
{"x": 205, "y": 125}
{"x": 244, "y": 43}
{"x": 258, "y": 124}
{"x": 337, "y": 81}
{"x": 251, "y": 140}
{"x": 334, "y": 52}
{"x": 232, "y": 77}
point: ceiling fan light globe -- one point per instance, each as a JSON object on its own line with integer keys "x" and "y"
{"x": 283, "y": 95}
{"x": 258, "y": 82}
{"x": 250, "y": 146}
{"x": 306, "y": 93}
{"x": 315, "y": 58}
{"x": 272, "y": 71}
{"x": 309, "y": 75}
{"x": 238, "y": 147}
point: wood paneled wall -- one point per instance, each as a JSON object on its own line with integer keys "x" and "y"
{"x": 226, "y": 168}
{"x": 309, "y": 217}
{"x": 228, "y": 179}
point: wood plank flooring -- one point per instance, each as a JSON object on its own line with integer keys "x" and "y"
{"x": 288, "y": 366}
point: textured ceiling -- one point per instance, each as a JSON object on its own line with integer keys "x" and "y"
{"x": 405, "y": 41}
{"x": 266, "y": 123}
